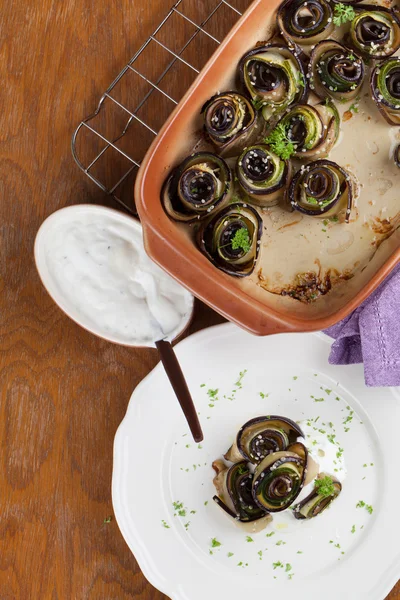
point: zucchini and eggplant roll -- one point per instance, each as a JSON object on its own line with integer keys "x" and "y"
{"x": 234, "y": 493}
{"x": 335, "y": 71}
{"x": 313, "y": 130}
{"x": 262, "y": 175}
{"x": 274, "y": 77}
{"x": 231, "y": 239}
{"x": 198, "y": 187}
{"x": 231, "y": 122}
{"x": 326, "y": 490}
{"x": 375, "y": 32}
{"x": 385, "y": 86}
{"x": 279, "y": 478}
{"x": 305, "y": 21}
{"x": 260, "y": 437}
{"x": 322, "y": 189}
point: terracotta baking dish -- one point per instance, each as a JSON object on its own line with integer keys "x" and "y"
{"x": 171, "y": 247}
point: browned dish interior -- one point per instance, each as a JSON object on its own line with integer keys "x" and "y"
{"x": 246, "y": 302}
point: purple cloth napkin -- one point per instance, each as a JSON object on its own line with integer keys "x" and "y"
{"x": 371, "y": 334}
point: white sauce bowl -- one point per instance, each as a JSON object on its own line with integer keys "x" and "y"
{"x": 92, "y": 262}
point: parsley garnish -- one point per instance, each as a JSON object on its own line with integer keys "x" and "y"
{"x": 240, "y": 379}
{"x": 263, "y": 395}
{"x": 107, "y": 520}
{"x": 180, "y": 510}
{"x": 249, "y": 539}
{"x": 353, "y": 529}
{"x": 230, "y": 554}
{"x": 277, "y": 564}
{"x": 270, "y": 534}
{"x": 260, "y": 554}
{"x": 288, "y": 567}
{"x": 368, "y": 507}
{"x": 325, "y": 487}
{"x": 241, "y": 240}
{"x": 343, "y": 13}
{"x": 280, "y": 143}
{"x": 215, "y": 543}
{"x": 280, "y": 543}
{"x": 165, "y": 524}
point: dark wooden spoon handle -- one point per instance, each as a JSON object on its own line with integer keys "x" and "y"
{"x": 178, "y": 382}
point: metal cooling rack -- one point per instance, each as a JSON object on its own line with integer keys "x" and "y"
{"x": 110, "y": 145}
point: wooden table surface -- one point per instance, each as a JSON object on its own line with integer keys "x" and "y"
{"x": 63, "y": 391}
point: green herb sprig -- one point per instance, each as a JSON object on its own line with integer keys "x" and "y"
{"x": 325, "y": 486}
{"x": 241, "y": 240}
{"x": 343, "y": 13}
{"x": 280, "y": 143}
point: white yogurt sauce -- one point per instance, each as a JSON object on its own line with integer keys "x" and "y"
{"x": 101, "y": 269}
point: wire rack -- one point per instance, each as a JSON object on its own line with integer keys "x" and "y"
{"x": 109, "y": 145}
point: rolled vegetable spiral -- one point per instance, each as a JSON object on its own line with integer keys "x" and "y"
{"x": 274, "y": 78}
{"x": 231, "y": 122}
{"x": 335, "y": 71}
{"x": 375, "y": 32}
{"x": 234, "y": 489}
{"x": 326, "y": 490}
{"x": 262, "y": 175}
{"x": 322, "y": 189}
{"x": 305, "y": 21}
{"x": 261, "y": 436}
{"x": 199, "y": 186}
{"x": 231, "y": 239}
{"x": 385, "y": 86}
{"x": 313, "y": 130}
{"x": 279, "y": 478}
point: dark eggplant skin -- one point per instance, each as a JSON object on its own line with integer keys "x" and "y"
{"x": 171, "y": 201}
{"x": 323, "y": 504}
{"x": 250, "y": 130}
{"x": 293, "y": 30}
{"x": 273, "y": 473}
{"x": 321, "y": 211}
{"x": 234, "y": 492}
{"x": 297, "y": 431}
{"x": 294, "y": 52}
{"x": 388, "y": 110}
{"x": 206, "y": 232}
{"x": 392, "y": 14}
{"x": 280, "y": 173}
{"x": 346, "y": 72}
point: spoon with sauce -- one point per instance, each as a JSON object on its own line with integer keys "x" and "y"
{"x": 92, "y": 262}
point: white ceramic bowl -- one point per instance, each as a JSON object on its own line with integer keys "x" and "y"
{"x": 44, "y": 246}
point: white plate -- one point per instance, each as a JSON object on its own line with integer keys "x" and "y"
{"x": 156, "y": 463}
